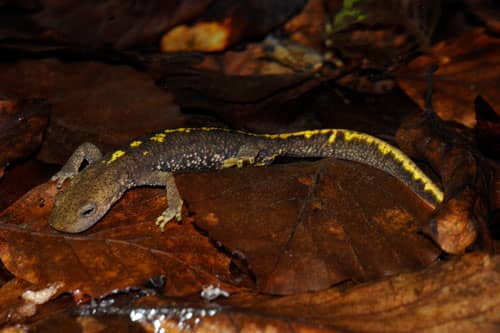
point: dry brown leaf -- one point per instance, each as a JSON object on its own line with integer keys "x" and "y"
{"x": 21, "y": 178}
{"x": 461, "y": 295}
{"x": 122, "y": 252}
{"x": 308, "y": 226}
{"x": 22, "y": 124}
{"x": 308, "y": 26}
{"x": 468, "y": 66}
{"x": 95, "y": 102}
{"x": 208, "y": 90}
{"x": 119, "y": 24}
{"x": 462, "y": 217}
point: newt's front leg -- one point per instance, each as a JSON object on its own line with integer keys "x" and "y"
{"x": 85, "y": 152}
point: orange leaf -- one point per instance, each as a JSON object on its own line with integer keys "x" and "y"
{"x": 124, "y": 250}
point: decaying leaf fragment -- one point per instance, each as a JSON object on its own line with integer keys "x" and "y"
{"x": 12, "y": 306}
{"x": 463, "y": 216}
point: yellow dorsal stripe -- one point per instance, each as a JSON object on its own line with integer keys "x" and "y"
{"x": 406, "y": 163}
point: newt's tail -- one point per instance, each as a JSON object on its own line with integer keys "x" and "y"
{"x": 362, "y": 148}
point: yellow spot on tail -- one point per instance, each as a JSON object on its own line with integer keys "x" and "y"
{"x": 116, "y": 155}
{"x": 144, "y": 153}
{"x": 406, "y": 163}
{"x": 158, "y": 137}
{"x": 135, "y": 144}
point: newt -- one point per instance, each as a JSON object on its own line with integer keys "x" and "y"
{"x": 152, "y": 160}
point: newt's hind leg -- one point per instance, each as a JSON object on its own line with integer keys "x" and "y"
{"x": 85, "y": 152}
{"x": 174, "y": 199}
{"x": 175, "y": 202}
{"x": 246, "y": 154}
{"x": 251, "y": 154}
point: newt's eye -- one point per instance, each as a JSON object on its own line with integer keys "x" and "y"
{"x": 88, "y": 210}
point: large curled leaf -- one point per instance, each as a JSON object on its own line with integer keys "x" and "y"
{"x": 303, "y": 227}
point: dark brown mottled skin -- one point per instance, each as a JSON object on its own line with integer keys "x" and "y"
{"x": 151, "y": 159}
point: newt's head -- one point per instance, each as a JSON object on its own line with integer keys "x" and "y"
{"x": 87, "y": 198}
